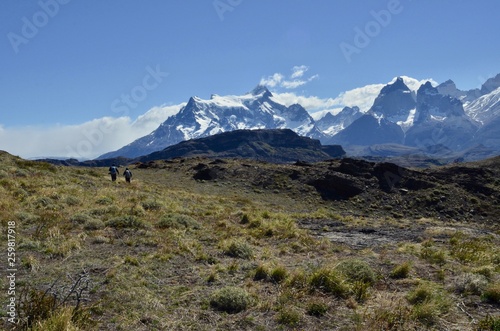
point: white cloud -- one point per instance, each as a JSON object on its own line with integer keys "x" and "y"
{"x": 299, "y": 71}
{"x": 272, "y": 81}
{"x": 83, "y": 141}
{"x": 295, "y": 80}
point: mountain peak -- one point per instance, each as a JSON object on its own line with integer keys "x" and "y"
{"x": 399, "y": 84}
{"x": 490, "y": 85}
{"x": 261, "y": 89}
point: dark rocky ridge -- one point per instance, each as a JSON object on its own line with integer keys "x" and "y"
{"x": 461, "y": 192}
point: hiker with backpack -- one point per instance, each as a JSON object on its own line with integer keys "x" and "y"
{"x": 113, "y": 171}
{"x": 128, "y": 175}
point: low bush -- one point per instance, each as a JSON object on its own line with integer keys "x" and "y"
{"x": 317, "y": 308}
{"x": 239, "y": 249}
{"x": 261, "y": 272}
{"x": 126, "y": 222}
{"x": 430, "y": 302}
{"x": 329, "y": 281}
{"x": 289, "y": 316}
{"x": 151, "y": 205}
{"x": 230, "y": 299}
{"x": 489, "y": 323}
{"x": 492, "y": 293}
{"x": 401, "y": 271}
{"x": 279, "y": 274}
{"x": 469, "y": 283}
{"x": 177, "y": 221}
{"x": 357, "y": 271}
{"x": 93, "y": 224}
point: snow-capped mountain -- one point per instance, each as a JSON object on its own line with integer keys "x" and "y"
{"x": 485, "y": 108}
{"x": 405, "y": 112}
{"x": 396, "y": 103}
{"x": 202, "y": 118}
{"x": 331, "y": 124}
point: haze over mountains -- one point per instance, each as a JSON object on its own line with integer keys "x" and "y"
{"x": 434, "y": 118}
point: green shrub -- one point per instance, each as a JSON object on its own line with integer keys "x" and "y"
{"x": 93, "y": 224}
{"x": 289, "y": 316}
{"x": 126, "y": 222}
{"x": 329, "y": 281}
{"x": 279, "y": 274}
{"x": 80, "y": 218}
{"x": 492, "y": 293}
{"x": 239, "y": 249}
{"x": 177, "y": 221}
{"x": 317, "y": 308}
{"x": 261, "y": 272}
{"x": 230, "y": 299}
{"x": 489, "y": 323}
{"x": 151, "y": 205}
{"x": 356, "y": 271}
{"x": 430, "y": 302}
{"x": 469, "y": 283}
{"x": 421, "y": 293}
{"x": 245, "y": 219}
{"x": 72, "y": 201}
{"x": 401, "y": 271}
{"x": 104, "y": 201}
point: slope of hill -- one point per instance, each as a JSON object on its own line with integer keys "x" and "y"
{"x": 341, "y": 244}
{"x": 277, "y": 146}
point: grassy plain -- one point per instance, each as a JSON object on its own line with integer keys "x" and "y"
{"x": 168, "y": 252}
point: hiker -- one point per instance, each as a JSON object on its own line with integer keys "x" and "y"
{"x": 128, "y": 175}
{"x": 113, "y": 171}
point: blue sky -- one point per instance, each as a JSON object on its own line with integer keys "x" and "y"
{"x": 68, "y": 65}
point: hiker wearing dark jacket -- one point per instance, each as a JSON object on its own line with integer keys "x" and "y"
{"x": 113, "y": 171}
{"x": 128, "y": 175}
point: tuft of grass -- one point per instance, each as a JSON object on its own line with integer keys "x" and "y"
{"x": 316, "y": 308}
{"x": 177, "y": 221}
{"x": 93, "y": 224}
{"x": 469, "y": 283}
{"x": 401, "y": 271}
{"x": 432, "y": 254}
{"x": 59, "y": 320}
{"x": 151, "y": 205}
{"x": 238, "y": 248}
{"x": 230, "y": 299}
{"x": 429, "y": 302}
{"x": 81, "y": 218}
{"x": 330, "y": 281}
{"x": 261, "y": 272}
{"x": 489, "y": 323}
{"x": 289, "y": 316}
{"x": 492, "y": 293}
{"x": 279, "y": 274}
{"x": 104, "y": 201}
{"x": 356, "y": 270}
{"x": 126, "y": 222}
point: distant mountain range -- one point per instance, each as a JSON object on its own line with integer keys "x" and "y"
{"x": 444, "y": 116}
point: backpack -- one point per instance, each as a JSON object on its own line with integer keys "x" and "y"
{"x": 127, "y": 173}
{"x": 113, "y": 170}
